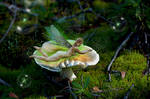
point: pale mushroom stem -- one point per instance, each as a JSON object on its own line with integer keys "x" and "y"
{"x": 68, "y": 73}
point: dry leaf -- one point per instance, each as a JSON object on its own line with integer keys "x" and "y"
{"x": 13, "y": 95}
{"x": 96, "y": 89}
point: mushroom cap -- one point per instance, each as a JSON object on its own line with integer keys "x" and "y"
{"x": 51, "y": 47}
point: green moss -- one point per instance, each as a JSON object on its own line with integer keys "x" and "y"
{"x": 104, "y": 38}
{"x": 36, "y": 97}
{"x": 38, "y": 81}
{"x": 100, "y": 5}
{"x": 133, "y": 61}
{"x": 118, "y": 87}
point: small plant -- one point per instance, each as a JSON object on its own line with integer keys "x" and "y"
{"x": 81, "y": 89}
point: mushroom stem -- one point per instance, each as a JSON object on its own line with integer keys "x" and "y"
{"x": 68, "y": 73}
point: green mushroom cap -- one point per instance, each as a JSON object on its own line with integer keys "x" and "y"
{"x": 52, "y": 47}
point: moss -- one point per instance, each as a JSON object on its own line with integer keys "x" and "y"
{"x": 102, "y": 38}
{"x": 35, "y": 97}
{"x": 118, "y": 87}
{"x": 133, "y": 61}
{"x": 100, "y": 5}
{"x": 97, "y": 76}
{"x": 38, "y": 81}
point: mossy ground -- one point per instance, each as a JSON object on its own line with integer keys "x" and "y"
{"x": 133, "y": 63}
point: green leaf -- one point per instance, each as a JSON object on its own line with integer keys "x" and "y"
{"x": 87, "y": 80}
{"x": 77, "y": 85}
{"x": 87, "y": 93}
{"x": 80, "y": 91}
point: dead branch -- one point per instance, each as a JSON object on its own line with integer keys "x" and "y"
{"x": 102, "y": 17}
{"x": 117, "y": 52}
{"x": 127, "y": 94}
{"x": 4, "y": 83}
{"x": 10, "y": 26}
{"x": 78, "y": 1}
{"x": 75, "y": 15}
{"x": 148, "y": 67}
{"x": 73, "y": 94}
{"x": 14, "y": 9}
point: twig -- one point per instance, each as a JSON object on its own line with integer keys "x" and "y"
{"x": 12, "y": 7}
{"x": 82, "y": 81}
{"x": 102, "y": 17}
{"x": 109, "y": 90}
{"x": 57, "y": 96}
{"x": 127, "y": 94}
{"x": 145, "y": 37}
{"x": 88, "y": 37}
{"x": 96, "y": 95}
{"x": 89, "y": 10}
{"x": 73, "y": 94}
{"x": 109, "y": 75}
{"x": 148, "y": 66}
{"x": 10, "y": 26}
{"x": 75, "y": 15}
{"x": 119, "y": 48}
{"x": 4, "y": 83}
{"x": 52, "y": 80}
{"x": 115, "y": 71}
{"x": 78, "y": 1}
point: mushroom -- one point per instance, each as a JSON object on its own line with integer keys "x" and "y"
{"x": 88, "y": 59}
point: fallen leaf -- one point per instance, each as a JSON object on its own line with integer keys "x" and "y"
{"x": 13, "y": 95}
{"x": 96, "y": 89}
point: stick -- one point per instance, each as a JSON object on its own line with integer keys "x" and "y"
{"x": 75, "y": 15}
{"x": 10, "y": 26}
{"x": 78, "y": 1}
{"x": 145, "y": 37}
{"x": 12, "y": 7}
{"x": 148, "y": 67}
{"x": 73, "y": 94}
{"x": 127, "y": 94}
{"x": 102, "y": 17}
{"x": 119, "y": 48}
{"x": 4, "y": 83}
